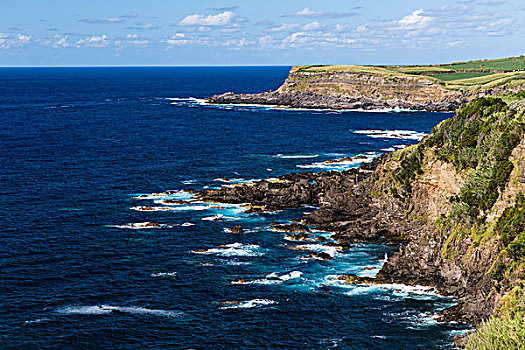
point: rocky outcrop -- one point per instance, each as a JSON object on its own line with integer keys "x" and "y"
{"x": 366, "y": 88}
{"x": 352, "y": 90}
{"x": 237, "y": 229}
{"x": 294, "y": 228}
{"x": 317, "y": 100}
{"x": 454, "y": 203}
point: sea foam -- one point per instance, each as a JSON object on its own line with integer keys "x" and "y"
{"x": 250, "y": 304}
{"x": 393, "y": 134}
{"x": 234, "y": 249}
{"x": 108, "y": 309}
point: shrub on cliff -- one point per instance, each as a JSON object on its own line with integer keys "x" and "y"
{"x": 506, "y": 329}
{"x": 479, "y": 142}
{"x": 510, "y": 226}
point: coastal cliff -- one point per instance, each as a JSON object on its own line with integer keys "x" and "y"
{"x": 429, "y": 88}
{"x": 352, "y": 90}
{"x": 454, "y": 203}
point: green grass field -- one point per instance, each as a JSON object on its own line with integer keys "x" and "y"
{"x": 506, "y": 64}
{"x": 466, "y": 76}
{"x": 458, "y": 76}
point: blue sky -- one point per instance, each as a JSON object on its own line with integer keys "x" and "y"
{"x": 262, "y": 32}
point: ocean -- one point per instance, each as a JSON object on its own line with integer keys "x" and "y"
{"x": 83, "y": 149}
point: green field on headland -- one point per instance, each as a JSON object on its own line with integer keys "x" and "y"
{"x": 464, "y": 76}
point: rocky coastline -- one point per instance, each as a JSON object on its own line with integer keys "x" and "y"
{"x": 362, "y": 88}
{"x": 311, "y": 100}
{"x": 420, "y": 199}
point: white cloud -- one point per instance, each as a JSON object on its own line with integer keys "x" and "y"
{"x": 129, "y": 15}
{"x": 93, "y": 41}
{"x": 101, "y": 21}
{"x": 311, "y": 41}
{"x": 221, "y": 19}
{"x": 234, "y": 44}
{"x": 312, "y": 26}
{"x": 150, "y": 26}
{"x": 131, "y": 40}
{"x": 57, "y": 41}
{"x": 62, "y": 42}
{"x": 8, "y": 41}
{"x": 178, "y": 40}
{"x": 416, "y": 20}
{"x": 285, "y": 27}
{"x": 234, "y": 28}
{"x": 440, "y": 27}
{"x": 308, "y": 12}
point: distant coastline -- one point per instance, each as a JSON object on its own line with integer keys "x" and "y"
{"x": 440, "y": 88}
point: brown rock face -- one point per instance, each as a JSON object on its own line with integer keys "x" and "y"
{"x": 352, "y": 90}
{"x": 237, "y": 229}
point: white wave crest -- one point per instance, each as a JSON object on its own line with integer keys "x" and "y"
{"x": 393, "y": 134}
{"x": 142, "y": 225}
{"x": 107, "y": 309}
{"x": 250, "y": 304}
{"x": 147, "y": 208}
{"x": 296, "y": 156}
{"x": 332, "y": 251}
{"x": 291, "y": 275}
{"x": 189, "y": 182}
{"x": 272, "y": 278}
{"x": 212, "y": 218}
{"x": 163, "y": 274}
{"x": 343, "y": 165}
{"x": 172, "y": 194}
{"x": 235, "y": 249}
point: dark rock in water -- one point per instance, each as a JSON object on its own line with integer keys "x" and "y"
{"x": 319, "y": 256}
{"x": 151, "y": 224}
{"x": 341, "y": 245}
{"x": 298, "y": 236}
{"x": 237, "y": 229}
{"x": 175, "y": 202}
{"x": 320, "y": 239}
{"x": 310, "y": 99}
{"x": 297, "y": 228}
{"x": 354, "y": 279}
{"x": 256, "y": 209}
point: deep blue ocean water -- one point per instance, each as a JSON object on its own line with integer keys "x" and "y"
{"x": 78, "y": 144}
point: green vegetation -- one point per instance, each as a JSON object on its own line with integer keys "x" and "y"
{"x": 462, "y": 75}
{"x": 506, "y": 329}
{"x": 505, "y": 64}
{"x": 511, "y": 225}
{"x": 410, "y": 167}
{"x": 479, "y": 141}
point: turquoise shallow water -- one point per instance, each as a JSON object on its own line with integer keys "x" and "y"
{"x": 79, "y": 144}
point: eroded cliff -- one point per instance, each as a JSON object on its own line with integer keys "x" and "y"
{"x": 455, "y": 201}
{"x": 365, "y": 87}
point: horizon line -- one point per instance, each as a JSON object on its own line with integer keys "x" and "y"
{"x": 146, "y": 65}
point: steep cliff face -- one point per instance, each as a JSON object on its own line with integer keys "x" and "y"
{"x": 353, "y": 90}
{"x": 378, "y": 85}
{"x": 461, "y": 191}
{"x": 455, "y": 201}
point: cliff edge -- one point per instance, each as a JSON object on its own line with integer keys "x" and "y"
{"x": 455, "y": 204}
{"x": 440, "y": 88}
